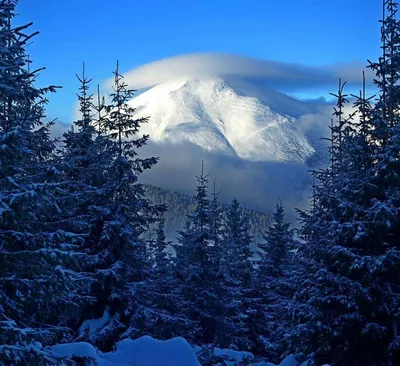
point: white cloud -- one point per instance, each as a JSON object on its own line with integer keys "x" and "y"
{"x": 279, "y": 75}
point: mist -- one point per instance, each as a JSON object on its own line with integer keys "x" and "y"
{"x": 256, "y": 185}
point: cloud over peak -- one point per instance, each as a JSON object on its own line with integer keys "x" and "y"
{"x": 278, "y": 75}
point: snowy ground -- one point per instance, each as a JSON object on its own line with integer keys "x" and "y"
{"x": 144, "y": 351}
{"x": 147, "y": 351}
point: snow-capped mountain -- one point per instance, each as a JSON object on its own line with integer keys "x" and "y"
{"x": 230, "y": 117}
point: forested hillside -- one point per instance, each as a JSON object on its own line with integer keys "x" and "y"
{"x": 180, "y": 205}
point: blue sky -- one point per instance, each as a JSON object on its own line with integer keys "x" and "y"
{"x": 311, "y": 32}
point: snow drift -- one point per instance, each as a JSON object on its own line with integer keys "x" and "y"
{"x": 145, "y": 351}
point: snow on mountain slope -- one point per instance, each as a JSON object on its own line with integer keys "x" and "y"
{"x": 230, "y": 117}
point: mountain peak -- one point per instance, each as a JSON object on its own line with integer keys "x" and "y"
{"x": 231, "y": 117}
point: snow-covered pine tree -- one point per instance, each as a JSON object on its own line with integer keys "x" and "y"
{"x": 229, "y": 289}
{"x": 237, "y": 241}
{"x": 341, "y": 229}
{"x": 160, "y": 248}
{"x": 193, "y": 262}
{"x": 275, "y": 283}
{"x": 128, "y": 212}
{"x": 200, "y": 278}
{"x": 385, "y": 206}
{"x": 78, "y": 160}
{"x": 216, "y": 213}
{"x": 278, "y": 241}
{"x": 99, "y": 108}
{"x": 84, "y": 160}
{"x": 37, "y": 270}
{"x": 385, "y": 132}
{"x": 157, "y": 310}
{"x": 238, "y": 271}
{"x": 96, "y": 177}
{"x": 349, "y": 312}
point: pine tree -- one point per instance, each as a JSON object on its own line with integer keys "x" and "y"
{"x": 193, "y": 262}
{"x": 127, "y": 216}
{"x": 160, "y": 248}
{"x": 349, "y": 304}
{"x": 216, "y": 213}
{"x": 198, "y": 271}
{"x": 38, "y": 278}
{"x": 279, "y": 239}
{"x": 385, "y": 132}
{"x": 157, "y": 309}
{"x": 78, "y": 161}
{"x": 330, "y": 298}
{"x": 238, "y": 275}
{"x": 84, "y": 160}
{"x": 275, "y": 283}
{"x": 237, "y": 240}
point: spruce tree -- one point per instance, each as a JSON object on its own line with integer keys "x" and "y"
{"x": 237, "y": 241}
{"x": 385, "y": 131}
{"x": 349, "y": 305}
{"x": 331, "y": 315}
{"x": 193, "y": 263}
{"x": 157, "y": 308}
{"x": 278, "y": 241}
{"x": 198, "y": 270}
{"x": 160, "y": 247}
{"x": 78, "y": 160}
{"x": 238, "y": 275}
{"x": 39, "y": 282}
{"x": 84, "y": 160}
{"x": 127, "y": 215}
{"x": 275, "y": 283}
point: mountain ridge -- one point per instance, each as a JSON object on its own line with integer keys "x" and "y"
{"x": 234, "y": 118}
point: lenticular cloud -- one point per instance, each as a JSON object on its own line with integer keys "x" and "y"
{"x": 278, "y": 75}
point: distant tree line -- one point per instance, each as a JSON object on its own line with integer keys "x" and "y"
{"x": 179, "y": 205}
